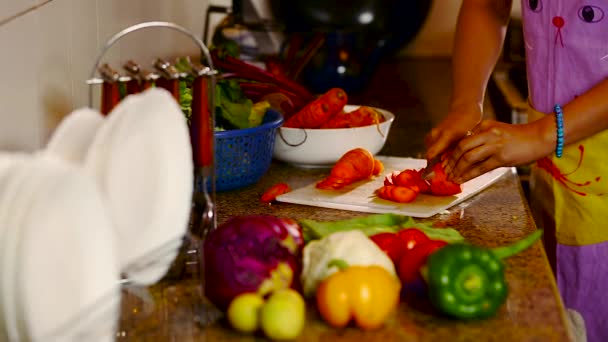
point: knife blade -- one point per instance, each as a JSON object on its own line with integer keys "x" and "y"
{"x": 427, "y": 172}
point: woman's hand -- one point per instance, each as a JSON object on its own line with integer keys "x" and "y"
{"x": 455, "y": 126}
{"x": 495, "y": 144}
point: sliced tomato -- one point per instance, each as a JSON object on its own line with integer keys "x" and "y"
{"x": 407, "y": 178}
{"x": 390, "y": 243}
{"x": 388, "y": 180}
{"x": 394, "y": 193}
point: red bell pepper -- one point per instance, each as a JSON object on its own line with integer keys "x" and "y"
{"x": 413, "y": 259}
{"x": 396, "y": 244}
{"x": 390, "y": 243}
{"x": 411, "y": 237}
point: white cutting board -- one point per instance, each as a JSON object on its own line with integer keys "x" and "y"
{"x": 360, "y": 196}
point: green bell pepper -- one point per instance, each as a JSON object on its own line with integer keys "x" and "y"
{"x": 466, "y": 281}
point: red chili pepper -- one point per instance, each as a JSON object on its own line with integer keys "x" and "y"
{"x": 413, "y": 259}
{"x": 274, "y": 191}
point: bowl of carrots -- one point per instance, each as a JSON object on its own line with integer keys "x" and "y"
{"x": 348, "y": 127}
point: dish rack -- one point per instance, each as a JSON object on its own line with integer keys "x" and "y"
{"x": 186, "y": 268}
{"x": 138, "y": 79}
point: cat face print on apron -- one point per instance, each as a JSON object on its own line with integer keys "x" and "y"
{"x": 566, "y": 55}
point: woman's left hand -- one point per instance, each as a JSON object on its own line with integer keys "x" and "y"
{"x": 494, "y": 144}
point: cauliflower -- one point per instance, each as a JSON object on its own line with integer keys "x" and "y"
{"x": 354, "y": 247}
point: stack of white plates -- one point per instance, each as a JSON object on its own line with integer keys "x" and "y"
{"x": 72, "y": 138}
{"x": 108, "y": 198}
{"x": 141, "y": 158}
{"x": 57, "y": 254}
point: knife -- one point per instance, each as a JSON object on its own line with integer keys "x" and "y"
{"x": 427, "y": 172}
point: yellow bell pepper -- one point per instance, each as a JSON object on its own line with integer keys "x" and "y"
{"x": 365, "y": 294}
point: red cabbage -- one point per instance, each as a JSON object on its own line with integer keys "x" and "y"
{"x": 251, "y": 254}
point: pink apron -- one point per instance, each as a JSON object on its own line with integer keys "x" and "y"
{"x": 567, "y": 54}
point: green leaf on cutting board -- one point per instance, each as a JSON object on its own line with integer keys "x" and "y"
{"x": 375, "y": 224}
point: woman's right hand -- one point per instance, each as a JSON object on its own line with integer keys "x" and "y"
{"x": 455, "y": 126}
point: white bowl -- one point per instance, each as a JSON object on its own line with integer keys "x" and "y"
{"x": 323, "y": 147}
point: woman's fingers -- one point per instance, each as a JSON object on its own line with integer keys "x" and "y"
{"x": 471, "y": 159}
{"x": 478, "y": 169}
{"x": 437, "y": 141}
{"x": 465, "y": 145}
{"x": 473, "y": 150}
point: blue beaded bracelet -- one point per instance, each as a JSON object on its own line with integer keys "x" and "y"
{"x": 559, "y": 118}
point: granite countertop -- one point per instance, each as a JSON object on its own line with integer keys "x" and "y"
{"x": 496, "y": 216}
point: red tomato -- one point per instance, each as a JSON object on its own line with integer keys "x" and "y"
{"x": 440, "y": 185}
{"x": 390, "y": 243}
{"x": 412, "y": 260}
{"x": 423, "y": 184}
{"x": 412, "y": 179}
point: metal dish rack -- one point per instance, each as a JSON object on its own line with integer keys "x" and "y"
{"x": 137, "y": 299}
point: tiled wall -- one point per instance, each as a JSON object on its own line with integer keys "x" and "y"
{"x": 48, "y": 49}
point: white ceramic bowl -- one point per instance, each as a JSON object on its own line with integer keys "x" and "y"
{"x": 323, "y": 147}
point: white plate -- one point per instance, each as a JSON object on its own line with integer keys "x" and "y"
{"x": 72, "y": 138}
{"x": 142, "y": 161}
{"x": 8, "y": 326}
{"x": 13, "y": 207}
{"x": 67, "y": 258}
{"x": 360, "y": 196}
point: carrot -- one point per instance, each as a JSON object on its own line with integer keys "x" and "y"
{"x": 362, "y": 116}
{"x": 397, "y": 193}
{"x": 336, "y": 98}
{"x": 271, "y": 193}
{"x": 378, "y": 167}
{"x": 318, "y": 111}
{"x": 309, "y": 116}
{"x": 355, "y": 165}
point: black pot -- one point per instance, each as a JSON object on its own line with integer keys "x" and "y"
{"x": 397, "y": 21}
{"x": 359, "y": 33}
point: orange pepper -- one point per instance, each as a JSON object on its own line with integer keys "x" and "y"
{"x": 365, "y": 294}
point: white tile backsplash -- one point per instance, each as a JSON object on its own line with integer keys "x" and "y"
{"x": 20, "y": 119}
{"x": 84, "y": 46}
{"x": 10, "y": 8}
{"x": 53, "y": 65}
{"x": 47, "y": 54}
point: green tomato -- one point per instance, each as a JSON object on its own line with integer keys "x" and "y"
{"x": 283, "y": 315}
{"x": 243, "y": 312}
